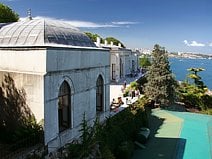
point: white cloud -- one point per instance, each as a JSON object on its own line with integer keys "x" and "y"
{"x": 9, "y": 0}
{"x": 186, "y": 42}
{"x": 210, "y": 44}
{"x": 193, "y": 43}
{"x": 88, "y": 24}
{"x": 124, "y": 23}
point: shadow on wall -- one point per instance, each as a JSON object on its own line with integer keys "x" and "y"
{"x": 14, "y": 111}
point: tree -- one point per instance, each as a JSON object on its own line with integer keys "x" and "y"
{"x": 7, "y": 14}
{"x": 114, "y": 40}
{"x": 144, "y": 61}
{"x": 93, "y": 37}
{"x": 197, "y": 79}
{"x": 160, "y": 85}
{"x": 194, "y": 94}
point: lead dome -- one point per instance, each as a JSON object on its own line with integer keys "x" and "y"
{"x": 42, "y": 32}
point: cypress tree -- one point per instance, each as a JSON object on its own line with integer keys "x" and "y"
{"x": 160, "y": 85}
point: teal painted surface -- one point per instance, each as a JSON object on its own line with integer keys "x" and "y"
{"x": 210, "y": 134}
{"x": 197, "y": 130}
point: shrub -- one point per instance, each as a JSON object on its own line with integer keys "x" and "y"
{"x": 126, "y": 93}
{"x": 134, "y": 85}
{"x": 106, "y": 153}
{"x": 30, "y": 130}
{"x": 117, "y": 132}
{"x": 113, "y": 136}
{"x": 125, "y": 150}
{"x": 74, "y": 150}
{"x": 207, "y": 111}
{"x": 207, "y": 101}
{"x": 194, "y": 96}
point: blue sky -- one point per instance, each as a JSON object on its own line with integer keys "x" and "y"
{"x": 178, "y": 25}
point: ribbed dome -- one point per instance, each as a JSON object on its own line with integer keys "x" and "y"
{"x": 2, "y": 24}
{"x": 41, "y": 32}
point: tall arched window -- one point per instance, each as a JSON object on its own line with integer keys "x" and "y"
{"x": 64, "y": 107}
{"x": 99, "y": 94}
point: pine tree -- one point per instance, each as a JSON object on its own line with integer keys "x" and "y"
{"x": 160, "y": 85}
{"x": 197, "y": 79}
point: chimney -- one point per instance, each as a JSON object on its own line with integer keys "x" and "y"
{"x": 98, "y": 40}
{"x": 111, "y": 43}
{"x": 105, "y": 42}
{"x": 119, "y": 44}
{"x": 29, "y": 14}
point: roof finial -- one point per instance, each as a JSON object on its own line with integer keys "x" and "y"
{"x": 29, "y": 14}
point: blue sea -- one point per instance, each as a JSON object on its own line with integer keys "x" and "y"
{"x": 179, "y": 67}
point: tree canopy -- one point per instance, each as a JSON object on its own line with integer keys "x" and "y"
{"x": 197, "y": 79}
{"x": 193, "y": 92}
{"x": 93, "y": 37}
{"x": 7, "y": 14}
{"x": 144, "y": 61}
{"x": 114, "y": 40}
{"x": 160, "y": 85}
{"x": 109, "y": 39}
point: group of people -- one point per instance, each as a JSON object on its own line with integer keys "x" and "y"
{"x": 134, "y": 93}
{"x": 116, "y": 103}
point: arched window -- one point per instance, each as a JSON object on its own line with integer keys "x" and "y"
{"x": 99, "y": 94}
{"x": 64, "y": 107}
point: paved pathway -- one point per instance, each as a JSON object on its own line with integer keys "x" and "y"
{"x": 115, "y": 87}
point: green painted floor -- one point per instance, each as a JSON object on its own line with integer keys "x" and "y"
{"x": 165, "y": 130}
{"x": 177, "y": 135}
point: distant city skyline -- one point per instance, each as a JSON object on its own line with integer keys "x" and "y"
{"x": 178, "y": 25}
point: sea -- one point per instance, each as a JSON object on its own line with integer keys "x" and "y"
{"x": 179, "y": 68}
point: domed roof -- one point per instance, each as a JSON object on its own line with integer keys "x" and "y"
{"x": 42, "y": 32}
{"x": 2, "y": 24}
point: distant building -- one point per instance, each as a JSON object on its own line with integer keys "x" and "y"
{"x": 145, "y": 51}
{"x": 123, "y": 61}
{"x": 62, "y": 72}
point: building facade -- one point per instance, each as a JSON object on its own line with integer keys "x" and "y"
{"x": 123, "y": 61}
{"x": 64, "y": 75}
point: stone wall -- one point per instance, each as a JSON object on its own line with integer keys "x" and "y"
{"x": 81, "y": 70}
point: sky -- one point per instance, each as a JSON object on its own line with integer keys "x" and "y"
{"x": 177, "y": 25}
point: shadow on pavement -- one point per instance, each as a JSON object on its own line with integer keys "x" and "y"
{"x": 160, "y": 147}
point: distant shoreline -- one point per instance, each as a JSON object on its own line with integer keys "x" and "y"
{"x": 190, "y": 56}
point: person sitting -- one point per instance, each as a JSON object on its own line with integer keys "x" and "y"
{"x": 120, "y": 102}
{"x": 114, "y": 104}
